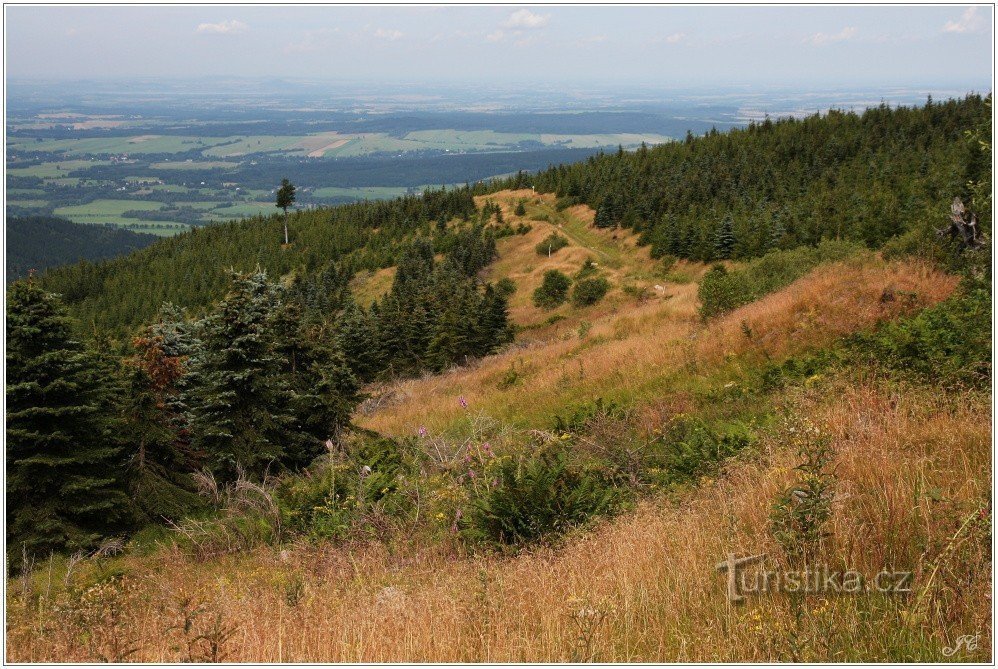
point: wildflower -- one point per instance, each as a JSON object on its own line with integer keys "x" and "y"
{"x": 471, "y": 473}
{"x": 422, "y": 431}
{"x": 463, "y": 402}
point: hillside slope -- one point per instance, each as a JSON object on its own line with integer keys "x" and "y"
{"x": 910, "y": 465}
{"x": 40, "y": 242}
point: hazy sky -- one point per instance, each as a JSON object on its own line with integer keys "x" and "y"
{"x": 656, "y": 45}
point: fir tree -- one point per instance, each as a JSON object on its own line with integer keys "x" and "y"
{"x": 65, "y": 472}
{"x": 724, "y": 239}
{"x": 239, "y": 413}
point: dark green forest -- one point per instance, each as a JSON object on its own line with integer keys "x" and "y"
{"x": 40, "y": 242}
{"x": 866, "y": 177}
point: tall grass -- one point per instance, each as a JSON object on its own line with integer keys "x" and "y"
{"x": 911, "y": 467}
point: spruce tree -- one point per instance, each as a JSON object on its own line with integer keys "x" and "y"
{"x": 319, "y": 391}
{"x": 65, "y": 472}
{"x": 724, "y": 240}
{"x": 155, "y": 432}
{"x": 357, "y": 339}
{"x": 239, "y": 412}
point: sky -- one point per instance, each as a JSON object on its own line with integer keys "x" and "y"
{"x": 660, "y": 46}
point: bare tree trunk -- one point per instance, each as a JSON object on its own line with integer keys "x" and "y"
{"x": 285, "y": 227}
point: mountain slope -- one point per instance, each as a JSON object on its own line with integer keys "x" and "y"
{"x": 40, "y": 242}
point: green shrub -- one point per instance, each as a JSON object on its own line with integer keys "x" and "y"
{"x": 722, "y": 290}
{"x": 536, "y": 497}
{"x": 691, "y": 448}
{"x": 553, "y": 291}
{"x": 947, "y": 344}
{"x": 551, "y": 245}
{"x": 589, "y": 291}
{"x": 505, "y": 286}
{"x": 520, "y": 209}
{"x": 563, "y": 203}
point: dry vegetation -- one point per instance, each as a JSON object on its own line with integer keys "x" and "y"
{"x": 910, "y": 469}
{"x": 912, "y": 490}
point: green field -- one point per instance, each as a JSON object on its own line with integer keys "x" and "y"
{"x": 138, "y": 144}
{"x": 54, "y": 169}
{"x": 367, "y": 193}
{"x": 106, "y": 211}
{"x": 239, "y": 146}
{"x": 241, "y": 209}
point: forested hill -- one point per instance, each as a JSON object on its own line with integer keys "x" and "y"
{"x": 869, "y": 177}
{"x": 40, "y": 242}
{"x": 781, "y": 184}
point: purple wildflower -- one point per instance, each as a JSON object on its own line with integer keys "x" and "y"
{"x": 463, "y": 402}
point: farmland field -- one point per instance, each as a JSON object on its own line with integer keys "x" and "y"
{"x": 192, "y": 160}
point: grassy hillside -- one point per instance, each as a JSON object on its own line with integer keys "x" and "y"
{"x": 911, "y": 481}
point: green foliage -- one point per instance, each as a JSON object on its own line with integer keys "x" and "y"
{"x": 722, "y": 290}
{"x": 724, "y": 240}
{"x": 40, "y": 242}
{"x": 589, "y": 291}
{"x": 285, "y": 195}
{"x": 802, "y": 511}
{"x": 551, "y": 245}
{"x": 520, "y": 209}
{"x": 65, "y": 469}
{"x": 948, "y": 344}
{"x": 553, "y": 290}
{"x": 190, "y": 269}
{"x": 537, "y": 497}
{"x": 692, "y": 448}
{"x": 505, "y": 287}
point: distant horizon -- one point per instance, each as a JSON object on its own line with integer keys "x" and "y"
{"x": 700, "y": 46}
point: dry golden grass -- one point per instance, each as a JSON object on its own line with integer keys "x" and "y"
{"x": 629, "y": 351}
{"x": 643, "y": 587}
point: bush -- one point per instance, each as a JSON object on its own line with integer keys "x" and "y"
{"x": 520, "y": 209}
{"x": 537, "y": 497}
{"x": 589, "y": 291}
{"x": 505, "y": 286}
{"x": 947, "y": 344}
{"x": 721, "y": 290}
{"x": 551, "y": 245}
{"x": 553, "y": 291}
{"x": 692, "y": 448}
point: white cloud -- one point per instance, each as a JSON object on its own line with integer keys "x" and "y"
{"x": 495, "y": 36}
{"x": 846, "y": 33}
{"x": 223, "y": 27}
{"x": 526, "y": 19}
{"x": 675, "y": 38}
{"x": 969, "y": 22}
{"x": 595, "y": 39}
{"x": 390, "y": 35}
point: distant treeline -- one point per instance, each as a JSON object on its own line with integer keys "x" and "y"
{"x": 867, "y": 177}
{"x": 40, "y": 242}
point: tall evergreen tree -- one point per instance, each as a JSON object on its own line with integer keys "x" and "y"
{"x": 65, "y": 472}
{"x": 724, "y": 239}
{"x": 239, "y": 413}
